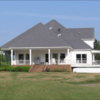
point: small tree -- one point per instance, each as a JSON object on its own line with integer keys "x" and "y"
{"x": 97, "y": 47}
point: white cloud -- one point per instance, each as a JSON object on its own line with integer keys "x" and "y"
{"x": 54, "y": 16}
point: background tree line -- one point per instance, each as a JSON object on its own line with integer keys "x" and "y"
{"x": 3, "y": 58}
{"x": 97, "y": 47}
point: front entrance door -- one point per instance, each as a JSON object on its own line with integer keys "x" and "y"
{"x": 55, "y": 56}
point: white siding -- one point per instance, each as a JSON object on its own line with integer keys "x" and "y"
{"x": 89, "y": 56}
{"x": 89, "y": 42}
{"x": 86, "y": 70}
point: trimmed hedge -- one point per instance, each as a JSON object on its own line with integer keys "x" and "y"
{"x": 2, "y": 68}
{"x": 15, "y": 69}
{"x": 21, "y": 68}
{"x": 10, "y": 68}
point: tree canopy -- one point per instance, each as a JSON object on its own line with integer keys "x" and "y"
{"x": 97, "y": 47}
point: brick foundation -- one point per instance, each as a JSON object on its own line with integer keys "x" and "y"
{"x": 67, "y": 67}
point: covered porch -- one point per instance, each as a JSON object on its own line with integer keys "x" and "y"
{"x": 40, "y": 56}
{"x": 94, "y": 61}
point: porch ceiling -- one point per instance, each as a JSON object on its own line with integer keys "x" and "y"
{"x": 96, "y": 51}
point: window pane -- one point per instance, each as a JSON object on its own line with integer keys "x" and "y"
{"x": 55, "y": 55}
{"x": 84, "y": 56}
{"x": 27, "y": 56}
{"x": 78, "y": 56}
{"x": 62, "y": 56}
{"x": 21, "y": 57}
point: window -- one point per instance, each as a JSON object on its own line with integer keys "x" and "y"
{"x": 81, "y": 58}
{"x": 27, "y": 56}
{"x": 21, "y": 56}
{"x": 62, "y": 57}
{"x": 78, "y": 56}
{"x": 55, "y": 56}
{"x": 84, "y": 58}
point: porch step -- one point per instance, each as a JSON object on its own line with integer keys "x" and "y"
{"x": 37, "y": 68}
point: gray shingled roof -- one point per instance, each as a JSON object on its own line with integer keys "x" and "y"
{"x": 41, "y": 36}
{"x": 85, "y": 33}
{"x": 38, "y": 36}
{"x": 71, "y": 37}
{"x": 10, "y": 43}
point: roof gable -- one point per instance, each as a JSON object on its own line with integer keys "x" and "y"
{"x": 24, "y": 34}
{"x": 68, "y": 35}
{"x": 38, "y": 37}
{"x": 41, "y": 36}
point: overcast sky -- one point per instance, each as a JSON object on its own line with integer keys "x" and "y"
{"x": 18, "y": 16}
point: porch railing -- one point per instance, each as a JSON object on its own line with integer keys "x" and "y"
{"x": 27, "y": 62}
{"x": 53, "y": 61}
{"x": 88, "y": 62}
{"x": 74, "y": 62}
{"x": 22, "y": 62}
{"x": 96, "y": 62}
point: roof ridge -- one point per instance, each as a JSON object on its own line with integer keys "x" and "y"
{"x": 46, "y": 38}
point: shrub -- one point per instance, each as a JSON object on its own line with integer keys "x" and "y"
{"x": 57, "y": 70}
{"x": 21, "y": 68}
{"x": 10, "y": 68}
{"x": 25, "y": 68}
{"x": 2, "y": 68}
{"x": 64, "y": 70}
{"x": 18, "y": 68}
{"x": 48, "y": 69}
{"x": 5, "y": 64}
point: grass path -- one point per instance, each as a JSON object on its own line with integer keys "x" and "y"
{"x": 48, "y": 86}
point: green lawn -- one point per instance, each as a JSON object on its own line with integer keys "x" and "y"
{"x": 48, "y": 86}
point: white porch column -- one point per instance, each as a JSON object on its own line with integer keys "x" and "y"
{"x": 30, "y": 52}
{"x": 68, "y": 56}
{"x": 11, "y": 57}
{"x": 93, "y": 57}
{"x": 15, "y": 58}
{"x": 49, "y": 55}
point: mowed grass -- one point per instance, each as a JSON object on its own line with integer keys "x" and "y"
{"x": 48, "y": 86}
